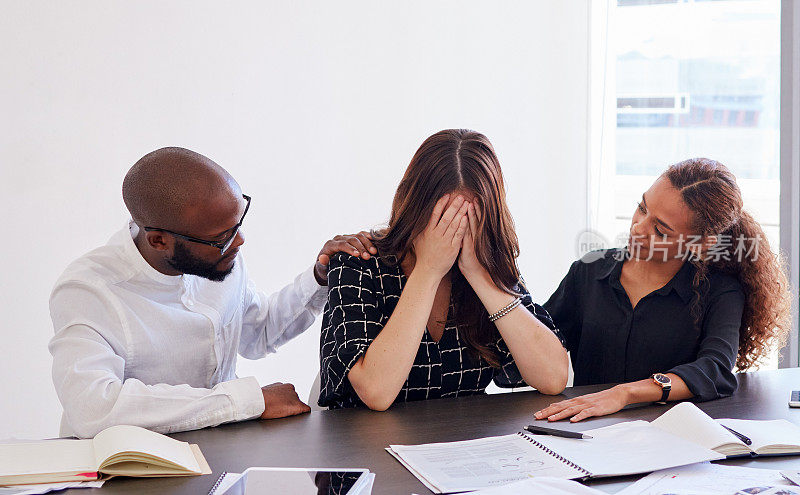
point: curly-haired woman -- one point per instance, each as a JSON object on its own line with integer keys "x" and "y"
{"x": 696, "y": 292}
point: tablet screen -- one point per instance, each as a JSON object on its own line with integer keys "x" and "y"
{"x": 295, "y": 482}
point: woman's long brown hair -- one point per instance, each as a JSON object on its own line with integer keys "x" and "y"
{"x": 449, "y": 161}
{"x": 710, "y": 191}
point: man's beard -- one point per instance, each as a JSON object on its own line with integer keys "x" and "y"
{"x": 183, "y": 261}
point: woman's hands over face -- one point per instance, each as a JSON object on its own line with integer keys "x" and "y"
{"x": 467, "y": 261}
{"x": 450, "y": 236}
{"x": 437, "y": 247}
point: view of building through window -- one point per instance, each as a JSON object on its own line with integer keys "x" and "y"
{"x": 698, "y": 78}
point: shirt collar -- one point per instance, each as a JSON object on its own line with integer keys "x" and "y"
{"x": 137, "y": 260}
{"x": 612, "y": 260}
{"x": 681, "y": 282}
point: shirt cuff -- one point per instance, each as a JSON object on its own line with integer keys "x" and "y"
{"x": 703, "y": 386}
{"x": 315, "y": 294}
{"x": 246, "y": 396}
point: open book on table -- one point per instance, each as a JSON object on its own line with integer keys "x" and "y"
{"x": 771, "y": 437}
{"x": 116, "y": 451}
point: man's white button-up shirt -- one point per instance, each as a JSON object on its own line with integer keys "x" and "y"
{"x": 134, "y": 346}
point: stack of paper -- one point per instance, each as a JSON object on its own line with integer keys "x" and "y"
{"x": 712, "y": 479}
{"x": 39, "y": 489}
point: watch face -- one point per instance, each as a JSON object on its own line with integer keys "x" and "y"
{"x": 661, "y": 378}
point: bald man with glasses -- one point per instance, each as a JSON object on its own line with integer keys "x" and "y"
{"x": 149, "y": 326}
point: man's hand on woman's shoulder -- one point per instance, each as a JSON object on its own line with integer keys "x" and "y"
{"x": 355, "y": 244}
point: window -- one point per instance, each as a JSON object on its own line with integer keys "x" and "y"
{"x": 697, "y": 79}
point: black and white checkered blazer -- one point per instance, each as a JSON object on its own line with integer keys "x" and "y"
{"x": 362, "y": 295}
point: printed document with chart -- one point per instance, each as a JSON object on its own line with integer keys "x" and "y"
{"x": 638, "y": 447}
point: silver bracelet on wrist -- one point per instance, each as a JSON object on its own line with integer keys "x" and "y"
{"x": 510, "y": 307}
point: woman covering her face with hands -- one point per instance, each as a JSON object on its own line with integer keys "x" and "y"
{"x": 441, "y": 310}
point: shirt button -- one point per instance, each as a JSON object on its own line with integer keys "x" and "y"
{"x": 190, "y": 303}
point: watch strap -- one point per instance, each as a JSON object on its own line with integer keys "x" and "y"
{"x": 664, "y": 394}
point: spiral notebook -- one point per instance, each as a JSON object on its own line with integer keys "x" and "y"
{"x": 636, "y": 448}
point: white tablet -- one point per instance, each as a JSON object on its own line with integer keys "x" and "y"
{"x": 298, "y": 481}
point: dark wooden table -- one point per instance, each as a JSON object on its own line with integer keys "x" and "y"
{"x": 357, "y": 438}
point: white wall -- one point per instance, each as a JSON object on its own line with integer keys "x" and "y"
{"x": 315, "y": 107}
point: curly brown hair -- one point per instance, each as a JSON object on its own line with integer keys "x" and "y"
{"x": 710, "y": 191}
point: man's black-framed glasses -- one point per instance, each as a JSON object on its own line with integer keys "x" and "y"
{"x": 223, "y": 244}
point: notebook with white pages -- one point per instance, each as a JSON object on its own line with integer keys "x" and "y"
{"x": 771, "y": 437}
{"x": 116, "y": 451}
{"x": 495, "y": 461}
